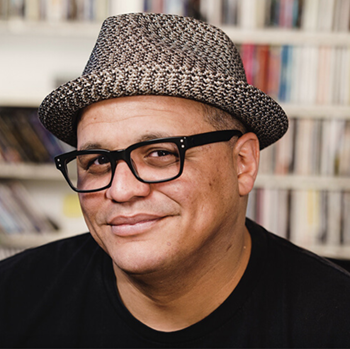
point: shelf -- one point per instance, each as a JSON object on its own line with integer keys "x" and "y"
{"x": 321, "y": 111}
{"x": 337, "y": 252}
{"x": 30, "y": 172}
{"x": 28, "y": 240}
{"x": 90, "y": 30}
{"x": 22, "y": 101}
{"x": 280, "y": 36}
{"x": 302, "y": 182}
{"x": 20, "y": 27}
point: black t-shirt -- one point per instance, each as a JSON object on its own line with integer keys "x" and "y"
{"x": 64, "y": 294}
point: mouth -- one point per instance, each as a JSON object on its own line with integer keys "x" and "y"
{"x": 133, "y": 225}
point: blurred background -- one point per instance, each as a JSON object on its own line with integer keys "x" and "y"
{"x": 297, "y": 51}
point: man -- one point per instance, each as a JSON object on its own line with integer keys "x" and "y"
{"x": 168, "y": 135}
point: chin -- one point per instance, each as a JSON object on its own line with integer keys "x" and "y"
{"x": 138, "y": 263}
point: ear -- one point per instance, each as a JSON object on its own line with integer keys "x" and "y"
{"x": 247, "y": 154}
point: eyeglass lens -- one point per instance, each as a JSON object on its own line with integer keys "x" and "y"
{"x": 151, "y": 163}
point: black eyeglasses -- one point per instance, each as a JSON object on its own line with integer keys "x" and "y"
{"x": 155, "y": 161}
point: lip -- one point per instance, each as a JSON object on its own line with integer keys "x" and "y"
{"x": 133, "y": 225}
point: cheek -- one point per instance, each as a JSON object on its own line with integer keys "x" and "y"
{"x": 217, "y": 190}
{"x": 91, "y": 205}
{"x": 202, "y": 191}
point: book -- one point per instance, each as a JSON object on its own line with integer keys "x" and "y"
{"x": 8, "y": 224}
{"x": 261, "y": 67}
{"x": 345, "y": 233}
{"x": 24, "y": 139}
{"x": 40, "y": 222}
{"x": 15, "y": 9}
{"x": 32, "y": 10}
{"x": 274, "y": 71}
{"x": 324, "y": 75}
{"x": 303, "y": 149}
{"x": 211, "y": 11}
{"x": 338, "y": 72}
{"x": 176, "y": 7}
{"x": 118, "y": 7}
{"x": 230, "y": 12}
{"x": 4, "y": 9}
{"x": 341, "y": 15}
{"x": 305, "y": 227}
{"x": 288, "y": 12}
{"x": 252, "y": 14}
{"x": 334, "y": 218}
{"x": 101, "y": 10}
{"x": 18, "y": 213}
{"x": 309, "y": 16}
{"x": 344, "y": 153}
{"x": 11, "y": 139}
{"x": 285, "y": 73}
{"x": 343, "y": 88}
{"x": 28, "y": 139}
{"x": 325, "y": 15}
{"x": 247, "y": 52}
{"x": 56, "y": 10}
{"x": 284, "y": 153}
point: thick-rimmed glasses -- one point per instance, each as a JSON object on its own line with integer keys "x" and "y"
{"x": 155, "y": 161}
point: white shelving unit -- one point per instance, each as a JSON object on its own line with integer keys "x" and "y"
{"x": 21, "y": 171}
{"x": 302, "y": 182}
{"x": 37, "y": 54}
{"x": 280, "y": 36}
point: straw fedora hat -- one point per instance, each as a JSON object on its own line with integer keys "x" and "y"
{"x": 160, "y": 54}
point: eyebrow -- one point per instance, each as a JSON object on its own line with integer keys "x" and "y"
{"x": 152, "y": 136}
{"x": 90, "y": 146}
{"x": 143, "y": 138}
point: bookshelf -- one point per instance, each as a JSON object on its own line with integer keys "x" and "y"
{"x": 22, "y": 171}
{"x": 59, "y": 49}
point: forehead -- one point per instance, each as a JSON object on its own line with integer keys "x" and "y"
{"x": 126, "y": 120}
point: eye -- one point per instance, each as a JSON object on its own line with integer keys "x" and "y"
{"x": 155, "y": 155}
{"x": 100, "y": 160}
{"x": 160, "y": 153}
{"x": 93, "y": 162}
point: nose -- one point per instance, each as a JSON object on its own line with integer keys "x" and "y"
{"x": 125, "y": 186}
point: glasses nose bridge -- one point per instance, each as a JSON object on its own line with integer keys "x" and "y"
{"x": 124, "y": 155}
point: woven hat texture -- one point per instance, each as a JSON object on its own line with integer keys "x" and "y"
{"x": 160, "y": 54}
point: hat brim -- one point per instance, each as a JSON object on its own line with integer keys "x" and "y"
{"x": 258, "y": 112}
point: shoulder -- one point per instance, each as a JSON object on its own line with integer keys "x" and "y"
{"x": 47, "y": 290}
{"x": 303, "y": 277}
{"x": 291, "y": 259}
{"x": 310, "y": 294}
{"x": 53, "y": 270}
{"x": 48, "y": 258}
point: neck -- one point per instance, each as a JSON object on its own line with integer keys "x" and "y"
{"x": 170, "y": 301}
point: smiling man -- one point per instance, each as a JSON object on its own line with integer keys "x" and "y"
{"x": 162, "y": 234}
{"x": 168, "y": 135}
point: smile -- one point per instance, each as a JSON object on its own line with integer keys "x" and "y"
{"x": 135, "y": 225}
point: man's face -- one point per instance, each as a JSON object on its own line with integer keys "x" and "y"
{"x": 147, "y": 228}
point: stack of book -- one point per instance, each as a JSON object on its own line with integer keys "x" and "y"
{"x": 311, "y": 147}
{"x": 320, "y": 15}
{"x": 19, "y": 213}
{"x": 306, "y": 217}
{"x": 90, "y": 10}
{"x": 24, "y": 139}
{"x": 314, "y": 15}
{"x": 55, "y": 10}
{"x": 299, "y": 74}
